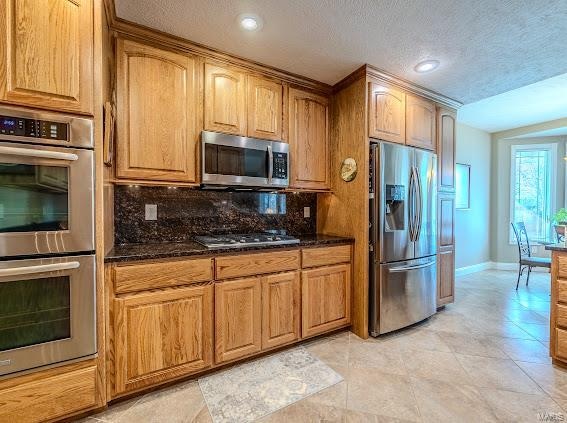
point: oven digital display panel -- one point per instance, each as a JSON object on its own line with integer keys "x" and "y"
{"x": 22, "y": 127}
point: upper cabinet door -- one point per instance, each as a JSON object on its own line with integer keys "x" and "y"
{"x": 308, "y": 140}
{"x": 446, "y": 140}
{"x": 265, "y": 114}
{"x": 387, "y": 113}
{"x": 156, "y": 114}
{"x": 225, "y": 100}
{"x": 46, "y": 54}
{"x": 420, "y": 122}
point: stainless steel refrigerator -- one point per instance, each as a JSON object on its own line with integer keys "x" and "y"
{"x": 403, "y": 236}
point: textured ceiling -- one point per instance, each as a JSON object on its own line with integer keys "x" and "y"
{"x": 486, "y": 47}
{"x": 535, "y": 103}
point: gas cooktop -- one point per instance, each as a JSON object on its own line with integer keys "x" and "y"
{"x": 244, "y": 240}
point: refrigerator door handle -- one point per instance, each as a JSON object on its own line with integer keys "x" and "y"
{"x": 419, "y": 214}
{"x": 407, "y": 268}
{"x": 413, "y": 204}
{"x": 410, "y": 205}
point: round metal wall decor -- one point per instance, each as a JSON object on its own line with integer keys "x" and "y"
{"x": 349, "y": 169}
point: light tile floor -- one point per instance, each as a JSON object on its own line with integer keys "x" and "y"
{"x": 483, "y": 358}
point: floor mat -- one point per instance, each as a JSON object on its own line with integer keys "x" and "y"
{"x": 254, "y": 389}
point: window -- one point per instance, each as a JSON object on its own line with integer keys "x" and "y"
{"x": 533, "y": 188}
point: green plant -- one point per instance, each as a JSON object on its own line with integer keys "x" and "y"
{"x": 560, "y": 216}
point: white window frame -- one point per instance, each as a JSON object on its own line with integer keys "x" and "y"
{"x": 552, "y": 148}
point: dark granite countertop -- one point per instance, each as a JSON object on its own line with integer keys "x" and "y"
{"x": 131, "y": 252}
{"x": 556, "y": 247}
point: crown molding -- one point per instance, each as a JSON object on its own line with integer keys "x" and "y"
{"x": 378, "y": 75}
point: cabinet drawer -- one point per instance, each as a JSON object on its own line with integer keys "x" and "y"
{"x": 561, "y": 343}
{"x": 313, "y": 257}
{"x": 165, "y": 274}
{"x": 561, "y": 265}
{"x": 561, "y": 315}
{"x": 50, "y": 398}
{"x": 255, "y": 264}
{"x": 562, "y": 290}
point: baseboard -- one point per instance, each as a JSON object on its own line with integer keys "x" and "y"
{"x": 491, "y": 265}
{"x": 514, "y": 266}
{"x": 467, "y": 270}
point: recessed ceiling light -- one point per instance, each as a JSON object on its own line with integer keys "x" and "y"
{"x": 426, "y": 66}
{"x": 250, "y": 22}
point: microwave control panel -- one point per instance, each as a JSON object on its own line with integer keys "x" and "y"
{"x": 33, "y": 128}
{"x": 280, "y": 165}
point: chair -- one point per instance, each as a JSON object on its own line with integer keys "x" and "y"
{"x": 526, "y": 261}
{"x": 559, "y": 232}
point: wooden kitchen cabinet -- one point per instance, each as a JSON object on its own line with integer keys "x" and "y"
{"x": 325, "y": 299}
{"x": 173, "y": 317}
{"x": 225, "y": 100}
{"x": 160, "y": 335}
{"x": 264, "y": 108}
{"x": 420, "y": 122}
{"x": 46, "y": 54}
{"x": 386, "y": 113}
{"x": 51, "y": 394}
{"x": 238, "y": 318}
{"x": 156, "y": 114}
{"x": 280, "y": 309}
{"x": 446, "y": 224}
{"x": 446, "y": 276}
{"x": 446, "y": 249}
{"x": 446, "y": 149}
{"x": 309, "y": 140}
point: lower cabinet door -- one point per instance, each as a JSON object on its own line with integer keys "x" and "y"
{"x": 325, "y": 299}
{"x": 445, "y": 276}
{"x": 280, "y": 309}
{"x": 238, "y": 318}
{"x": 162, "y": 335}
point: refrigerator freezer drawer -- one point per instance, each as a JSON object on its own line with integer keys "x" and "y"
{"x": 407, "y": 294}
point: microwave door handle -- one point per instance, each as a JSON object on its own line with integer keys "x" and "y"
{"x": 270, "y": 164}
{"x": 40, "y": 154}
{"x": 41, "y": 268}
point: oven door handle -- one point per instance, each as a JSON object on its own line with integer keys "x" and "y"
{"x": 41, "y": 154}
{"x": 41, "y": 268}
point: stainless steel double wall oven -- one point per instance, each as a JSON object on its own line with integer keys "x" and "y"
{"x": 47, "y": 261}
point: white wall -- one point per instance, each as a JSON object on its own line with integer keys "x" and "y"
{"x": 472, "y": 226}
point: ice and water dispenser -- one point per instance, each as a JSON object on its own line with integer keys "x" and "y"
{"x": 394, "y": 207}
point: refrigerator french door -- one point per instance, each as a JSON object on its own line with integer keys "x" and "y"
{"x": 403, "y": 275}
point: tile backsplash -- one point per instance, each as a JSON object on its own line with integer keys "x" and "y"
{"x": 183, "y": 213}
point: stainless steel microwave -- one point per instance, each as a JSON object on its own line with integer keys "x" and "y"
{"x": 234, "y": 161}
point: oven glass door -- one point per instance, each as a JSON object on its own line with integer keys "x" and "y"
{"x": 46, "y": 200}
{"x": 236, "y": 161}
{"x": 47, "y": 312}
